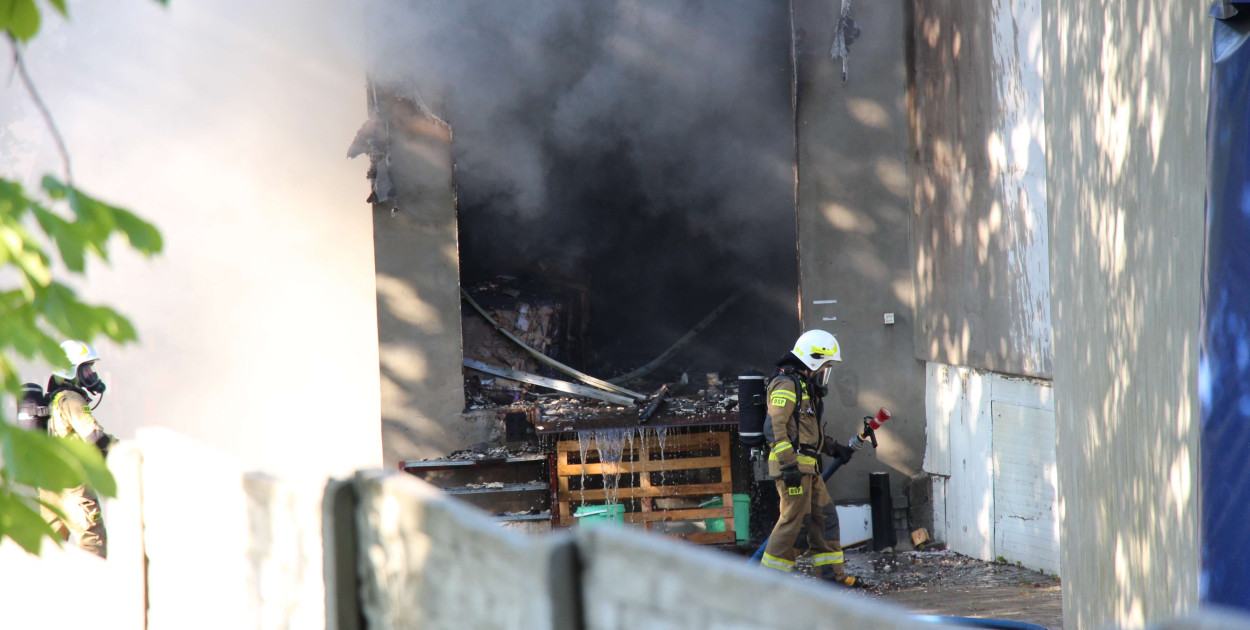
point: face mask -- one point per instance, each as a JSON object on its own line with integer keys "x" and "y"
{"x": 820, "y": 380}
{"x": 89, "y": 379}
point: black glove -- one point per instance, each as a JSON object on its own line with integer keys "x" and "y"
{"x": 793, "y": 478}
{"x": 105, "y": 442}
{"x": 842, "y": 451}
{"x": 829, "y": 446}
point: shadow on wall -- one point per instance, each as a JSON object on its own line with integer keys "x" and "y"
{"x": 418, "y": 283}
{"x": 1125, "y": 103}
{"x": 978, "y": 186}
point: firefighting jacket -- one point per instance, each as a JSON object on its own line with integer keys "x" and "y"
{"x": 795, "y": 438}
{"x": 71, "y": 415}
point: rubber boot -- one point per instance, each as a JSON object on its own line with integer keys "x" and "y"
{"x": 842, "y": 579}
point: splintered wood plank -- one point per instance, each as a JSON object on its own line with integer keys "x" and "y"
{"x": 678, "y": 515}
{"x": 654, "y": 491}
{"x": 689, "y": 463}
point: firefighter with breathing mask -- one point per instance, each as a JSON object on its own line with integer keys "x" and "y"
{"x": 795, "y": 434}
{"x": 70, "y": 417}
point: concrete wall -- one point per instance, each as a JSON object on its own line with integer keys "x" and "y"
{"x": 418, "y": 281}
{"x": 1125, "y": 98}
{"x": 226, "y": 124}
{"x": 978, "y": 177}
{"x": 853, "y": 231}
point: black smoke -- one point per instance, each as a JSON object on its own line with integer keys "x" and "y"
{"x": 642, "y": 148}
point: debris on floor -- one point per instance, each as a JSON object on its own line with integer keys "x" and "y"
{"x": 888, "y": 571}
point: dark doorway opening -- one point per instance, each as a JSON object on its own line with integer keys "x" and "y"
{"x": 644, "y": 161}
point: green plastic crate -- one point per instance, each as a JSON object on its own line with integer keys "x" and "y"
{"x": 742, "y": 515}
{"x": 600, "y": 514}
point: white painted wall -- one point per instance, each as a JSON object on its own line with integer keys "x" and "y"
{"x": 1017, "y": 155}
{"x": 991, "y": 455}
{"x": 226, "y": 123}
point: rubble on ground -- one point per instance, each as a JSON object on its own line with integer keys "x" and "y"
{"x": 891, "y": 571}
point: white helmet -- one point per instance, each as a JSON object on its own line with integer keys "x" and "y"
{"x": 815, "y": 348}
{"x": 81, "y": 359}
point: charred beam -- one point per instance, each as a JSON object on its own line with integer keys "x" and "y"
{"x": 550, "y": 383}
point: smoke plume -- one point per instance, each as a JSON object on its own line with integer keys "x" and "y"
{"x": 641, "y": 147}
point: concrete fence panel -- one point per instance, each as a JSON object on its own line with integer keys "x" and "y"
{"x": 430, "y": 562}
{"x": 227, "y": 548}
{"x": 632, "y": 580}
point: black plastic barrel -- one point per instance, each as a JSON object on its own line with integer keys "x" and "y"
{"x": 751, "y": 408}
{"x": 882, "y": 511}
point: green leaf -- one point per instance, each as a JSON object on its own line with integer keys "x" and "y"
{"x": 91, "y": 462}
{"x": 22, "y": 522}
{"x": 40, "y": 461}
{"x": 37, "y": 460}
{"x": 141, "y": 235}
{"x": 22, "y": 20}
{"x": 96, "y": 221}
{"x": 13, "y": 201}
{"x": 61, "y": 307}
{"x": 60, "y": 6}
{"x": 69, "y": 240}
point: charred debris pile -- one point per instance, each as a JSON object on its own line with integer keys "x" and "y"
{"x": 521, "y": 339}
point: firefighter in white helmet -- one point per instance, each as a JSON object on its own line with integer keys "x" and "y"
{"x": 796, "y": 437}
{"x": 70, "y": 395}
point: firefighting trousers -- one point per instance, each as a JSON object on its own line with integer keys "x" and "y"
{"x": 807, "y": 510}
{"x": 83, "y": 521}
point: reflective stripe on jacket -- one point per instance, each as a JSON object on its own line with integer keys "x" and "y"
{"x": 784, "y": 427}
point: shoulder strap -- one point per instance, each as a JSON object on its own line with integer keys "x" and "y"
{"x": 55, "y": 388}
{"x": 788, "y": 374}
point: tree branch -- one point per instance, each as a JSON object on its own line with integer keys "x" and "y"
{"x": 20, "y": 64}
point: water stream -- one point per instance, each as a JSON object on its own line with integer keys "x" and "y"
{"x": 615, "y": 447}
{"x": 611, "y": 445}
{"x": 583, "y": 445}
{"x": 661, "y": 436}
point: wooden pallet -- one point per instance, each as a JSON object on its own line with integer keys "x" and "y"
{"x": 641, "y": 482}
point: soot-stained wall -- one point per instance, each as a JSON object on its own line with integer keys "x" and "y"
{"x": 417, "y": 266}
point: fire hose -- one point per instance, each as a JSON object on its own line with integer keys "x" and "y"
{"x": 868, "y": 435}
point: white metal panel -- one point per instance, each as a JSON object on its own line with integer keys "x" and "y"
{"x": 970, "y": 491}
{"x": 1026, "y": 524}
{"x": 943, "y": 401}
{"x": 1026, "y": 392}
{"x": 854, "y": 523}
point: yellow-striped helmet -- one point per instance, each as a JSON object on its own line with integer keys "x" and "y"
{"x": 815, "y": 348}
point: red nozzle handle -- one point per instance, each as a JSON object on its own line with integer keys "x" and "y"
{"x": 875, "y": 423}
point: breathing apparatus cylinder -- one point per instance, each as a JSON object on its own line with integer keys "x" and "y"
{"x": 32, "y": 408}
{"x": 752, "y": 410}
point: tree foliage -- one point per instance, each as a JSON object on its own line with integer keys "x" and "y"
{"x": 37, "y": 312}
